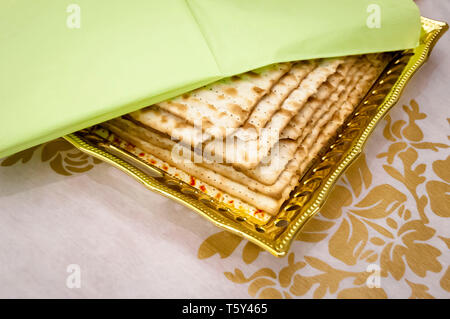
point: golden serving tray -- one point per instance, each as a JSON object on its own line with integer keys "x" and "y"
{"x": 276, "y": 233}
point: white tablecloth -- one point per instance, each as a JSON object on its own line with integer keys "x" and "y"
{"x": 71, "y": 227}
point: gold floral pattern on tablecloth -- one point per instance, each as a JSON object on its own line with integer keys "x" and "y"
{"x": 62, "y": 157}
{"x": 364, "y": 224}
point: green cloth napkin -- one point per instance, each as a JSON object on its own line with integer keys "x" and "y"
{"x": 56, "y": 78}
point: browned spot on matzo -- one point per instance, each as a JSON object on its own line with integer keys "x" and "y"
{"x": 258, "y": 90}
{"x": 179, "y": 106}
{"x": 211, "y": 107}
{"x": 231, "y": 91}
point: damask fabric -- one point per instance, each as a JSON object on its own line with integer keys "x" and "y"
{"x": 63, "y": 212}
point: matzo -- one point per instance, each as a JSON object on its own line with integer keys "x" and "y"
{"x": 243, "y": 155}
{"x": 179, "y": 129}
{"x": 225, "y": 105}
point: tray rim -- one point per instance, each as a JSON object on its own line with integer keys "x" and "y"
{"x": 280, "y": 246}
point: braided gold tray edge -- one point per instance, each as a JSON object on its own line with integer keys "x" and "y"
{"x": 309, "y": 196}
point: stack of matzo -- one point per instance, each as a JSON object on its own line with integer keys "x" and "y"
{"x": 254, "y": 135}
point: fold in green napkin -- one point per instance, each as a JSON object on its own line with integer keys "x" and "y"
{"x": 66, "y": 65}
